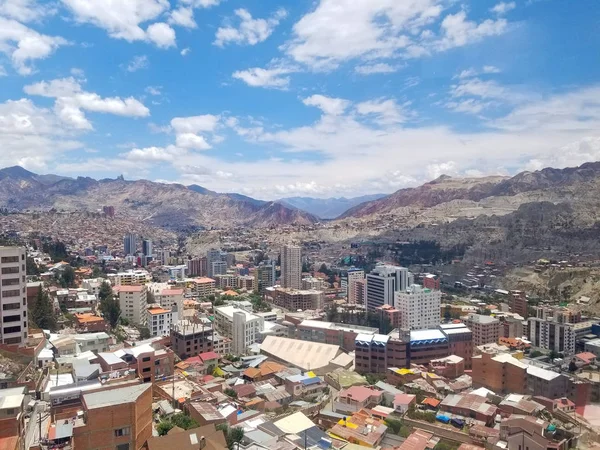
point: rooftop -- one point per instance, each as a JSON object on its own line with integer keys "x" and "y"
{"x": 114, "y": 397}
{"x": 427, "y": 336}
{"x": 132, "y": 288}
{"x": 156, "y": 311}
{"x": 301, "y": 354}
{"x": 360, "y": 393}
{"x": 482, "y": 319}
{"x": 544, "y": 374}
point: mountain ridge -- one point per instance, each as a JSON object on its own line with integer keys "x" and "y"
{"x": 169, "y": 205}
{"x": 327, "y": 208}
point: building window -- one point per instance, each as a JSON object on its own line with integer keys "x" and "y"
{"x": 123, "y": 447}
{"x": 146, "y": 359}
{"x": 122, "y": 432}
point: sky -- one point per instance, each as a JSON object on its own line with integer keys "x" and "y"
{"x": 287, "y": 98}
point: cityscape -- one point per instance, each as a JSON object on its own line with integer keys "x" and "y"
{"x": 299, "y": 225}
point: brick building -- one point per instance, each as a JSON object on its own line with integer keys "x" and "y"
{"x": 375, "y": 353}
{"x": 486, "y": 329}
{"x": 500, "y": 373}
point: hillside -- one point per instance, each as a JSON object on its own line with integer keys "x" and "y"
{"x": 327, "y": 208}
{"x": 172, "y": 206}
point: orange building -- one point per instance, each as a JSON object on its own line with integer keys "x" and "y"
{"x": 501, "y": 373}
{"x": 115, "y": 419}
{"x": 90, "y": 323}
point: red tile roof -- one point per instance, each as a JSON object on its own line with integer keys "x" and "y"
{"x": 206, "y": 356}
{"x": 359, "y": 393}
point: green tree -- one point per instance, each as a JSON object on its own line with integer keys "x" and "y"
{"x": 184, "y": 421}
{"x": 145, "y": 333}
{"x": 31, "y": 267}
{"x": 232, "y": 435}
{"x": 97, "y": 272}
{"x": 105, "y": 291}
{"x": 164, "y": 427}
{"x": 230, "y": 392}
{"x": 448, "y": 313}
{"x": 42, "y": 312}
{"x": 68, "y": 276}
{"x": 535, "y": 354}
{"x": 111, "y": 310}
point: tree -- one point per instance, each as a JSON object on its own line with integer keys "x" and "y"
{"x": 31, "y": 266}
{"x": 184, "y": 421}
{"x": 111, "y": 310}
{"x": 42, "y": 312}
{"x": 68, "y": 276}
{"x": 230, "y": 392}
{"x": 97, "y": 272}
{"x": 105, "y": 291}
{"x": 535, "y": 354}
{"x": 164, "y": 427}
{"x": 144, "y": 333}
{"x": 232, "y": 435}
{"x": 448, "y": 313}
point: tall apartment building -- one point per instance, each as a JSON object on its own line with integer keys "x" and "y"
{"x": 133, "y": 301}
{"x": 147, "y": 248}
{"x": 419, "y": 307}
{"x": 312, "y": 283}
{"x": 517, "y": 302}
{"x": 360, "y": 292}
{"x": 202, "y": 287}
{"x": 265, "y": 276}
{"x": 169, "y": 298}
{"x": 216, "y": 256}
{"x": 218, "y": 268}
{"x": 197, "y": 267}
{"x": 291, "y": 267}
{"x": 131, "y": 277}
{"x": 560, "y": 337}
{"x": 242, "y": 327}
{"x": 130, "y": 244}
{"x": 13, "y": 295}
{"x": 352, "y": 277}
{"x": 486, "y": 329}
{"x": 500, "y": 373}
{"x": 294, "y": 299}
{"x": 382, "y": 284}
{"x": 160, "y": 320}
{"x": 374, "y": 353}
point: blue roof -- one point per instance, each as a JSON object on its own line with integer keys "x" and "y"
{"x": 309, "y": 381}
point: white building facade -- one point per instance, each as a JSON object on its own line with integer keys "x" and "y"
{"x": 419, "y": 307}
{"x": 13, "y": 295}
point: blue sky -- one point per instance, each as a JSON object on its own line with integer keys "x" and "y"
{"x": 280, "y": 98}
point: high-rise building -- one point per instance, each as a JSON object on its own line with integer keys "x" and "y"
{"x": 147, "y": 248}
{"x": 218, "y": 268}
{"x": 197, "y": 267}
{"x": 130, "y": 244}
{"x": 133, "y": 301}
{"x": 215, "y": 256}
{"x": 291, "y": 267}
{"x": 382, "y": 283}
{"x": 13, "y": 295}
{"x": 486, "y": 329}
{"x": 352, "y": 277}
{"x": 419, "y": 307}
{"x": 265, "y": 276}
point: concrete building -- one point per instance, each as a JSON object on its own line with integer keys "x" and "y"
{"x": 426, "y": 345}
{"x": 197, "y": 267}
{"x": 133, "y": 301}
{"x": 13, "y": 295}
{"x": 486, "y": 329}
{"x": 294, "y": 300}
{"x": 130, "y": 244}
{"x": 431, "y": 281}
{"x": 340, "y": 334}
{"x": 545, "y": 383}
{"x": 500, "y": 373}
{"x": 312, "y": 283}
{"x": 550, "y": 333}
{"x": 189, "y": 338}
{"x": 419, "y": 307}
{"x": 460, "y": 341}
{"x": 392, "y": 314}
{"x": 352, "y": 277}
{"x": 93, "y": 285}
{"x": 202, "y": 287}
{"x": 291, "y": 267}
{"x": 517, "y": 302}
{"x": 265, "y": 277}
{"x": 382, "y": 283}
{"x": 216, "y": 256}
{"x": 218, "y": 268}
{"x": 118, "y": 418}
{"x": 160, "y": 320}
{"x": 242, "y": 327}
{"x": 171, "y": 297}
{"x": 131, "y": 277}
{"x": 147, "y": 250}
{"x": 361, "y": 292}
{"x": 374, "y": 353}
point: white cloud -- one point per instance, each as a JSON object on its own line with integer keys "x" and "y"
{"x": 77, "y": 73}
{"x": 26, "y": 10}
{"x": 153, "y": 90}
{"x": 503, "y": 7}
{"x": 72, "y": 100}
{"x": 472, "y": 72}
{"x": 331, "y": 106}
{"x": 370, "y": 69}
{"x": 183, "y": 17}
{"x": 267, "y": 78}
{"x": 31, "y": 136}
{"x": 250, "y": 31}
{"x": 201, "y": 3}
{"x": 491, "y": 69}
{"x": 162, "y": 35}
{"x": 24, "y": 45}
{"x": 186, "y": 51}
{"x": 473, "y": 95}
{"x": 189, "y": 130}
{"x": 192, "y": 141}
{"x": 154, "y": 154}
{"x": 457, "y": 31}
{"x": 124, "y": 19}
{"x": 337, "y": 31}
{"x": 138, "y": 62}
{"x": 384, "y": 112}
{"x": 3, "y": 72}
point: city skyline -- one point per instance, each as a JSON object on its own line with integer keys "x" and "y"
{"x": 263, "y": 100}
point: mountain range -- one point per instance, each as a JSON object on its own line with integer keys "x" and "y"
{"x": 327, "y": 208}
{"x": 173, "y": 206}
